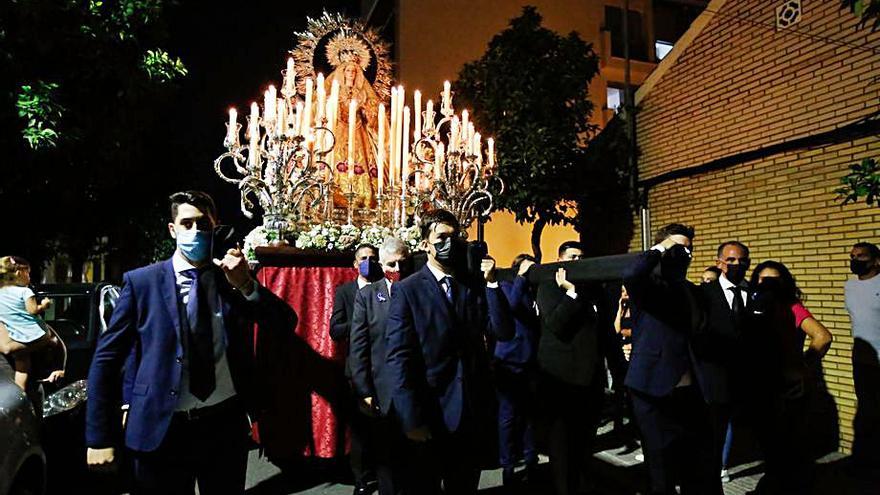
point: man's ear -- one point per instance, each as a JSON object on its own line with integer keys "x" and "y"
{"x": 172, "y": 231}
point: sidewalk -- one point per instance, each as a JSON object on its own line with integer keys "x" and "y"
{"x": 616, "y": 473}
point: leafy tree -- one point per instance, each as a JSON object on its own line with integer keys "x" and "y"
{"x": 863, "y": 181}
{"x": 869, "y": 11}
{"x": 87, "y": 85}
{"x": 530, "y": 90}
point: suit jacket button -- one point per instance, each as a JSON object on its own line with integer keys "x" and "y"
{"x": 179, "y": 359}
{"x": 173, "y": 393}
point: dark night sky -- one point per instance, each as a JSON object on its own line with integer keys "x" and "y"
{"x": 232, "y": 52}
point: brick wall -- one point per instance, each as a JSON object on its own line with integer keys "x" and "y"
{"x": 740, "y": 85}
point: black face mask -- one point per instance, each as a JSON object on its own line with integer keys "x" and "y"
{"x": 736, "y": 273}
{"x": 450, "y": 252}
{"x": 770, "y": 285}
{"x": 859, "y": 267}
{"x": 675, "y": 262}
{"x": 371, "y": 270}
{"x": 405, "y": 268}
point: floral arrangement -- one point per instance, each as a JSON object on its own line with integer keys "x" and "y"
{"x": 331, "y": 237}
{"x": 260, "y": 236}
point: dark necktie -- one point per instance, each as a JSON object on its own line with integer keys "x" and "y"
{"x": 446, "y": 283}
{"x": 737, "y": 305}
{"x": 200, "y": 334}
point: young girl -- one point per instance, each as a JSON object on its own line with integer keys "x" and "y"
{"x": 24, "y": 331}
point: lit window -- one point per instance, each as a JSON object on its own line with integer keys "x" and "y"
{"x": 615, "y": 98}
{"x": 662, "y": 48}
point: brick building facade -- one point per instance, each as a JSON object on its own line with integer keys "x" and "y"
{"x": 744, "y": 131}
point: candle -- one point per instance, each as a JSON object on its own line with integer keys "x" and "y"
{"x": 392, "y": 135}
{"x": 453, "y": 135}
{"x": 322, "y": 99}
{"x": 417, "y": 107}
{"x": 464, "y": 119}
{"x": 306, "y": 121}
{"x": 398, "y": 133}
{"x": 297, "y": 119}
{"x": 429, "y": 115}
{"x": 281, "y": 120}
{"x": 469, "y": 135}
{"x": 334, "y": 101}
{"x": 491, "y": 143}
{"x": 352, "y": 109}
{"x": 380, "y": 153}
{"x": 405, "y": 150}
{"x": 290, "y": 78}
{"x": 254, "y": 134}
{"x": 475, "y": 147}
{"x": 447, "y": 96}
{"x": 269, "y": 104}
{"x": 438, "y": 161}
{"x": 232, "y": 127}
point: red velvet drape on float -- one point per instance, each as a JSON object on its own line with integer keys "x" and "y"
{"x": 308, "y": 408}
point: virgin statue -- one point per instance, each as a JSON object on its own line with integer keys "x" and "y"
{"x": 353, "y": 85}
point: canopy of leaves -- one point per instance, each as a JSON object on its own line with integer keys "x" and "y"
{"x": 869, "y": 11}
{"x": 86, "y": 86}
{"x": 862, "y": 183}
{"x": 530, "y": 91}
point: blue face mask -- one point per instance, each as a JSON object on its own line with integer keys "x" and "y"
{"x": 194, "y": 244}
{"x": 371, "y": 270}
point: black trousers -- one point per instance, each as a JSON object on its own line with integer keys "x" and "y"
{"x": 211, "y": 450}
{"x": 448, "y": 463}
{"x": 388, "y": 447}
{"x": 361, "y": 454}
{"x": 780, "y": 424}
{"x": 678, "y": 442}
{"x": 866, "y": 375}
{"x": 571, "y": 417}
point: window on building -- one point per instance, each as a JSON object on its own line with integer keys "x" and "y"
{"x": 615, "y": 98}
{"x": 662, "y": 48}
{"x": 638, "y": 45}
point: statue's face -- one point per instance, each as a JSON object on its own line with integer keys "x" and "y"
{"x": 349, "y": 72}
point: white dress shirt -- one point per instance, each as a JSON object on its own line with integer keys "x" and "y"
{"x": 726, "y": 286}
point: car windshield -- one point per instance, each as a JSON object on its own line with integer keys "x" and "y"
{"x": 69, "y": 315}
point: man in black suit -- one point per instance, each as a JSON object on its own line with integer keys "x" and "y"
{"x": 571, "y": 380}
{"x": 667, "y": 402}
{"x": 367, "y": 362}
{"x": 717, "y": 349}
{"x": 366, "y": 262}
{"x": 437, "y": 361}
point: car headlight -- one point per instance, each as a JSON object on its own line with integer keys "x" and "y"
{"x": 65, "y": 398}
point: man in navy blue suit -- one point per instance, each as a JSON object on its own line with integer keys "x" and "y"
{"x": 193, "y": 380}
{"x": 438, "y": 363}
{"x": 515, "y": 376}
{"x": 668, "y": 404}
{"x": 367, "y": 362}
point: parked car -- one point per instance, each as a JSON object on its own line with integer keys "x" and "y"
{"x": 80, "y": 313}
{"x": 22, "y": 461}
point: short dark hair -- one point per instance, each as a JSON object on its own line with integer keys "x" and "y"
{"x": 565, "y": 246}
{"x": 674, "y": 229}
{"x": 366, "y": 246}
{"x": 437, "y": 216}
{"x": 520, "y": 258}
{"x": 199, "y": 199}
{"x": 713, "y": 269}
{"x": 872, "y": 248}
{"x": 731, "y": 243}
